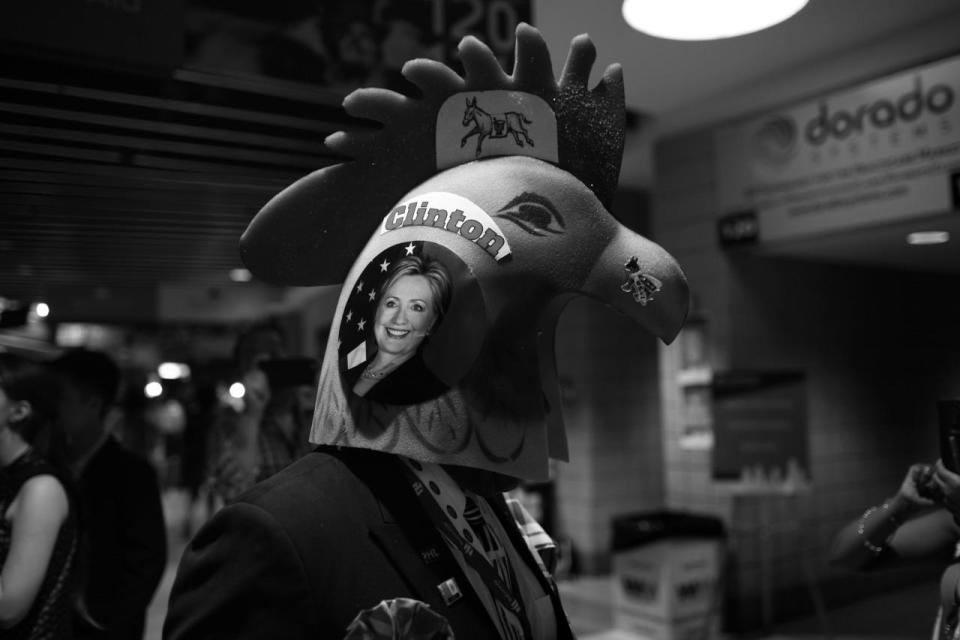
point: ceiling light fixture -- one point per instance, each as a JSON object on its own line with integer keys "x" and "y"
{"x": 706, "y": 19}
{"x": 240, "y": 275}
{"x": 153, "y": 389}
{"x": 928, "y": 237}
{"x": 173, "y": 370}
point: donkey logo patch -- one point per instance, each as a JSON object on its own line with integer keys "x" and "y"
{"x": 494, "y": 125}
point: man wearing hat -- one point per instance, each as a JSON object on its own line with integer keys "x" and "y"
{"x": 492, "y": 192}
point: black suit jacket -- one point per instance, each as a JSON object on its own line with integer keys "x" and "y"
{"x": 124, "y": 548}
{"x": 301, "y": 554}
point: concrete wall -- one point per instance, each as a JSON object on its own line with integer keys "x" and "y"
{"x": 608, "y": 369}
{"x": 879, "y": 347}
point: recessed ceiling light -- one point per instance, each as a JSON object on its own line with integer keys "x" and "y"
{"x": 153, "y": 389}
{"x": 240, "y": 275}
{"x": 928, "y": 237}
{"x": 706, "y": 19}
{"x": 173, "y": 370}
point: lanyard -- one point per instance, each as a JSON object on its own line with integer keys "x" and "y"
{"x": 481, "y": 565}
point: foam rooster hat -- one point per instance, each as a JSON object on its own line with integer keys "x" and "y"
{"x": 459, "y": 230}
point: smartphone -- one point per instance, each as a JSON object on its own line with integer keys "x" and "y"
{"x": 289, "y": 372}
{"x": 949, "y": 417}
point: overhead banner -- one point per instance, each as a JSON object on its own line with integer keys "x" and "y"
{"x": 880, "y": 152}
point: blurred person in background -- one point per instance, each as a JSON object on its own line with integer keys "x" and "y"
{"x": 272, "y": 428}
{"x": 125, "y": 547}
{"x": 919, "y": 523}
{"x": 38, "y": 529}
{"x": 201, "y": 408}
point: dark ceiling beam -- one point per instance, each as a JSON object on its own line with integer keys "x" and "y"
{"x": 264, "y": 86}
{"x": 159, "y": 227}
{"x": 31, "y": 181}
{"x": 247, "y": 116}
{"x": 206, "y": 151}
{"x": 71, "y": 197}
{"x": 163, "y": 178}
{"x": 151, "y": 161}
{"x": 232, "y": 136}
{"x": 60, "y": 151}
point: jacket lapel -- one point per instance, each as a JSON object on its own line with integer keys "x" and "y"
{"x": 420, "y": 556}
{"x": 416, "y": 550}
{"x": 424, "y": 580}
{"x": 502, "y": 511}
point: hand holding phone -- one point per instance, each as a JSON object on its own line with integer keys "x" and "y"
{"x": 925, "y": 484}
{"x": 919, "y": 487}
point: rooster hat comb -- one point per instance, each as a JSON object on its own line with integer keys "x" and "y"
{"x": 459, "y": 230}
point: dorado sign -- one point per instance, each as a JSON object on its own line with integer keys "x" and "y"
{"x": 879, "y": 114}
{"x": 876, "y": 153}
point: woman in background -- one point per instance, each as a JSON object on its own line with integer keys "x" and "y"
{"x": 38, "y": 522}
{"x": 919, "y": 523}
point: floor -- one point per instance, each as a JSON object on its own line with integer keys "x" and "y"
{"x": 903, "y": 615}
{"x": 906, "y": 614}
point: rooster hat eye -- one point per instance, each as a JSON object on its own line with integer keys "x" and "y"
{"x": 533, "y": 213}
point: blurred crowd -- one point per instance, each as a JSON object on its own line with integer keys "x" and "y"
{"x": 91, "y": 463}
{"x": 83, "y": 538}
{"x": 85, "y": 461}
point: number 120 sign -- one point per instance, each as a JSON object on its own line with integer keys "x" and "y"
{"x": 493, "y": 21}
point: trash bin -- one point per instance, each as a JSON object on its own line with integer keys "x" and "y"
{"x": 667, "y": 569}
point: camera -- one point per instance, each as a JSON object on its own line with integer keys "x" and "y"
{"x": 949, "y": 417}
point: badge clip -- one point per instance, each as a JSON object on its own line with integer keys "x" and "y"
{"x": 449, "y": 591}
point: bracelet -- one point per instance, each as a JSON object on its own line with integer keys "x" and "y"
{"x": 871, "y": 547}
{"x": 890, "y": 516}
{"x": 886, "y": 514}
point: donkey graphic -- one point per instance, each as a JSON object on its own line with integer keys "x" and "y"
{"x": 494, "y": 125}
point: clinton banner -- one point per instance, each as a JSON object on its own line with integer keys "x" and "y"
{"x": 879, "y": 152}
